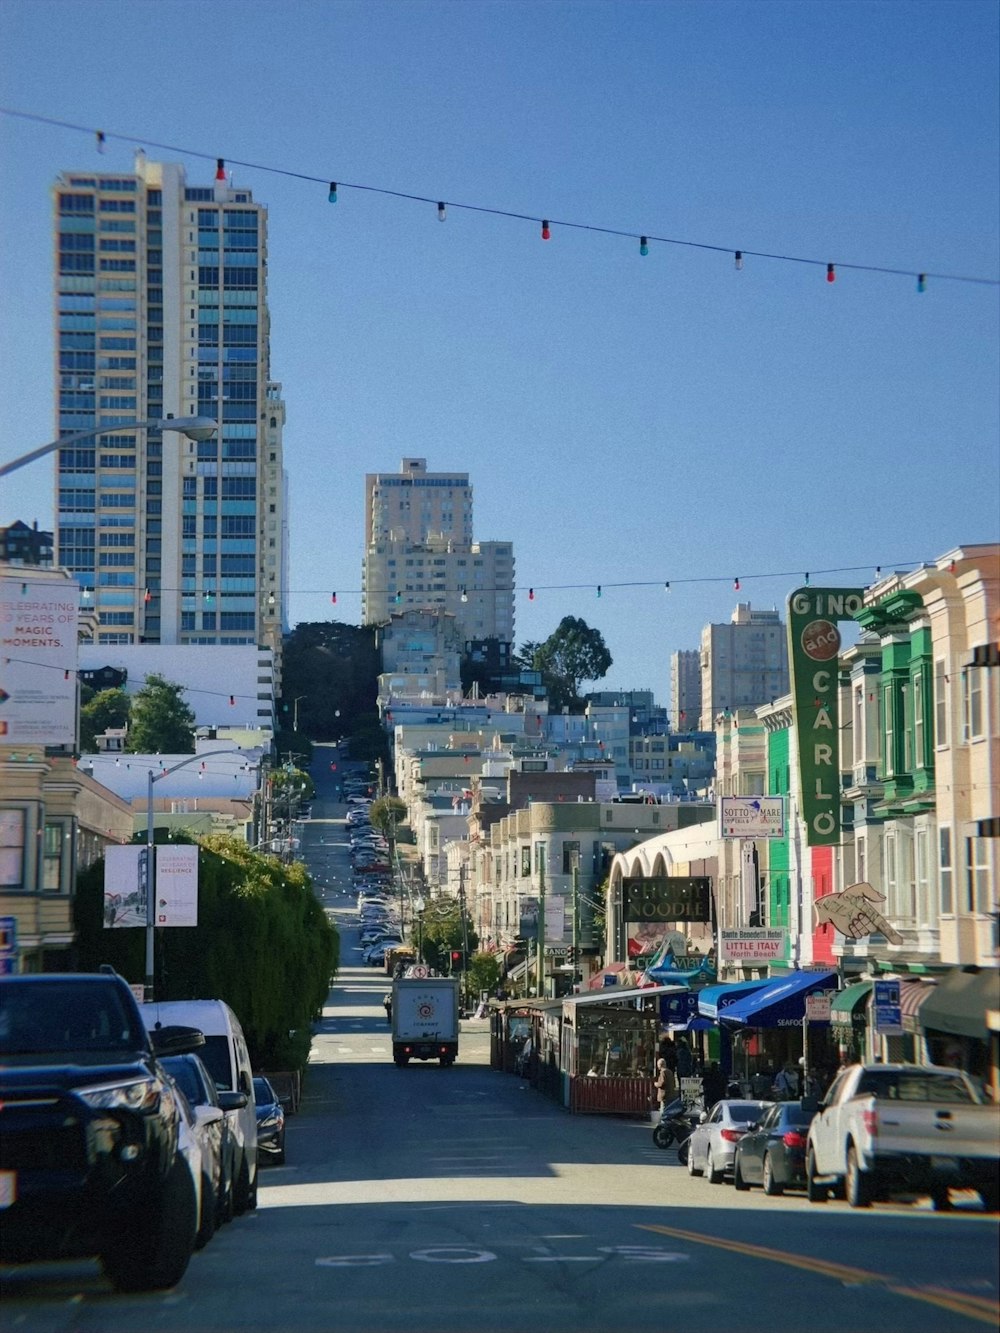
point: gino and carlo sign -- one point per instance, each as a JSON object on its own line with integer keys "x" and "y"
{"x": 813, "y": 648}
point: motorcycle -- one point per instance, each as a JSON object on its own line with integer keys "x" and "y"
{"x": 677, "y": 1119}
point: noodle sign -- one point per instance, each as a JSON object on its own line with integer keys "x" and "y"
{"x": 666, "y": 899}
{"x": 813, "y": 645}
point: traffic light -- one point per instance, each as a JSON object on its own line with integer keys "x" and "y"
{"x": 571, "y": 955}
{"x": 457, "y": 960}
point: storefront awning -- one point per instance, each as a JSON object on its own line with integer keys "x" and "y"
{"x": 713, "y": 999}
{"x": 960, "y": 1001}
{"x": 779, "y": 1004}
{"x": 912, "y": 994}
{"x": 847, "y": 1006}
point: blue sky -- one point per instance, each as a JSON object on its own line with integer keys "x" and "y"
{"x": 624, "y": 420}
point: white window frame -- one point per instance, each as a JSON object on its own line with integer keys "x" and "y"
{"x": 946, "y": 870}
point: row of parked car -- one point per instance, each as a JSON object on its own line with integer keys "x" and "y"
{"x": 129, "y": 1131}
{"x": 752, "y": 1143}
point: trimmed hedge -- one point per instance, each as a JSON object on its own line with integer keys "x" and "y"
{"x": 263, "y": 944}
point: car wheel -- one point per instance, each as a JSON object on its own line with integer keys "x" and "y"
{"x": 738, "y": 1182}
{"x": 209, "y": 1209}
{"x": 771, "y": 1186}
{"x": 815, "y": 1192}
{"x": 692, "y": 1169}
{"x": 859, "y": 1194}
{"x": 712, "y": 1173}
{"x": 154, "y": 1252}
{"x": 241, "y": 1199}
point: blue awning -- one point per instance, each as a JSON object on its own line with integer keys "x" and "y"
{"x": 712, "y": 999}
{"x": 781, "y": 1003}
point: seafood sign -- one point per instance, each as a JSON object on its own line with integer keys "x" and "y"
{"x": 853, "y": 913}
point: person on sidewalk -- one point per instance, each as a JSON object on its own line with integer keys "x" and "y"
{"x": 665, "y": 1085}
{"x": 387, "y": 1005}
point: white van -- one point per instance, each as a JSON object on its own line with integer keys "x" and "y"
{"x": 227, "y": 1059}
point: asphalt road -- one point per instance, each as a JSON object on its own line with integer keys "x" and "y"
{"x": 444, "y": 1200}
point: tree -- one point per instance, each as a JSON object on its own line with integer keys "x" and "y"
{"x": 160, "y": 721}
{"x": 335, "y": 668}
{"x": 483, "y": 973}
{"x": 571, "y": 654}
{"x": 106, "y": 709}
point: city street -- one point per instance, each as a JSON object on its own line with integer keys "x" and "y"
{"x": 430, "y": 1200}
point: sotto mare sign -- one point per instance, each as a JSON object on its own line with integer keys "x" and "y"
{"x": 813, "y": 648}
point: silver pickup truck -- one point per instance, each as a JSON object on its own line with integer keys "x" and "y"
{"x": 914, "y": 1128}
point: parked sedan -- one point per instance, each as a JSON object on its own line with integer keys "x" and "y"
{"x": 270, "y": 1122}
{"x": 712, "y": 1145}
{"x": 774, "y": 1153}
{"x": 209, "y": 1128}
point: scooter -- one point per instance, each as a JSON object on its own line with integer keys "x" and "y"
{"x": 677, "y": 1120}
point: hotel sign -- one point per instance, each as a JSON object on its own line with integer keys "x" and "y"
{"x": 813, "y": 648}
{"x": 666, "y": 898}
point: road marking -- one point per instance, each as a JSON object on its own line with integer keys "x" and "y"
{"x": 984, "y": 1310}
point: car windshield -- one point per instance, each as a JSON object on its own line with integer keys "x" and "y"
{"x": 746, "y": 1113}
{"x": 263, "y": 1092}
{"x": 181, "y": 1071}
{"x": 67, "y": 1018}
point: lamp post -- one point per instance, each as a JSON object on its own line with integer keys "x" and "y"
{"x": 295, "y": 711}
{"x": 195, "y": 428}
{"x": 147, "y": 865}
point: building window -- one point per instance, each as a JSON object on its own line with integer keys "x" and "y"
{"x": 926, "y": 907}
{"x": 972, "y": 704}
{"x": 52, "y": 859}
{"x": 977, "y": 875}
{"x": 570, "y": 856}
{"x": 888, "y": 767}
{"x": 12, "y": 849}
{"x": 918, "y": 720}
{"x": 940, "y": 703}
{"x": 945, "y": 868}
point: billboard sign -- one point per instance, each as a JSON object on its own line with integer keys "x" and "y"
{"x": 752, "y": 816}
{"x": 177, "y": 885}
{"x": 38, "y": 661}
{"x": 124, "y": 885}
{"x": 752, "y": 944}
{"x": 813, "y": 648}
{"x": 666, "y": 898}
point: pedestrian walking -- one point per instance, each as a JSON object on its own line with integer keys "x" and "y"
{"x": 665, "y": 1084}
{"x": 387, "y": 1005}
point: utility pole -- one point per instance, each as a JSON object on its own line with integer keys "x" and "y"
{"x": 576, "y": 918}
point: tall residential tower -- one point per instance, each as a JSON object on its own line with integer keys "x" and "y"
{"x": 162, "y": 311}
{"x": 419, "y": 552}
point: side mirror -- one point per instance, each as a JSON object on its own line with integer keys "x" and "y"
{"x": 703, "y": 1117}
{"x": 176, "y": 1040}
{"x": 232, "y": 1101}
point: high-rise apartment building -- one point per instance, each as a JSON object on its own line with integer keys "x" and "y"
{"x": 743, "y": 664}
{"x": 162, "y": 311}
{"x": 685, "y": 689}
{"x": 419, "y": 553}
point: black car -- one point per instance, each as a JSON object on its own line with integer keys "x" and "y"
{"x": 270, "y": 1122}
{"x": 89, "y": 1123}
{"x": 773, "y": 1153}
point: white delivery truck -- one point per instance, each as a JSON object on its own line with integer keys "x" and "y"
{"x": 425, "y": 1019}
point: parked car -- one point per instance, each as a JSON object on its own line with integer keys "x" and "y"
{"x": 270, "y": 1122}
{"x": 90, "y": 1125}
{"x": 712, "y": 1145}
{"x": 773, "y": 1152}
{"x": 200, "y": 1103}
{"x": 375, "y": 953}
{"x": 192, "y": 1077}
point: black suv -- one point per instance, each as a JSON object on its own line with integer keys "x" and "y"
{"x": 89, "y": 1122}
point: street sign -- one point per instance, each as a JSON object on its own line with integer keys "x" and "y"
{"x": 818, "y": 1008}
{"x": 888, "y": 1013}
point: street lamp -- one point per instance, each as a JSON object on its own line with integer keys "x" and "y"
{"x": 295, "y": 711}
{"x": 150, "y": 863}
{"x": 195, "y": 428}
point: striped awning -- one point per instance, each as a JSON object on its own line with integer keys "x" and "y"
{"x": 848, "y": 1007}
{"x": 912, "y": 994}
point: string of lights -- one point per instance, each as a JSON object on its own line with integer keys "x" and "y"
{"x": 397, "y": 595}
{"x": 645, "y": 238}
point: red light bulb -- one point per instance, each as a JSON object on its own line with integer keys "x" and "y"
{"x": 546, "y": 232}
{"x": 220, "y": 169}
{"x": 831, "y": 273}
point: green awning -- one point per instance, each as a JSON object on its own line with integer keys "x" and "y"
{"x": 846, "y": 1005}
{"x": 959, "y": 1002}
